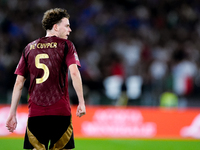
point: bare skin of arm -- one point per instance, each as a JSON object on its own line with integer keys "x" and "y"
{"x": 11, "y": 123}
{"x": 77, "y": 84}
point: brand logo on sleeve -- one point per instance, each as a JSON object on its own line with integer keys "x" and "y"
{"x": 76, "y": 56}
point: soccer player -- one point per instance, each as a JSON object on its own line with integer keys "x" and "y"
{"x": 47, "y": 61}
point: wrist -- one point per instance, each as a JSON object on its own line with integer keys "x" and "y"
{"x": 82, "y": 102}
{"x": 13, "y": 113}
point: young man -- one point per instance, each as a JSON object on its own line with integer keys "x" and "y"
{"x": 47, "y": 60}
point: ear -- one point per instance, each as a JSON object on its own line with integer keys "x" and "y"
{"x": 55, "y": 27}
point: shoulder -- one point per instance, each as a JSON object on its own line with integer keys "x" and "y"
{"x": 69, "y": 42}
{"x": 70, "y": 45}
{"x": 31, "y": 45}
{"x": 64, "y": 42}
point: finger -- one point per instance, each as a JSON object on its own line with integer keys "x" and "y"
{"x": 77, "y": 111}
{"x": 81, "y": 114}
{"x": 10, "y": 129}
{"x": 15, "y": 125}
{"x": 77, "y": 114}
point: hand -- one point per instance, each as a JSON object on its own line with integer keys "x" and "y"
{"x": 11, "y": 123}
{"x": 80, "y": 110}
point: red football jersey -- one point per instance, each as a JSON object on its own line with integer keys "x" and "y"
{"x": 46, "y": 61}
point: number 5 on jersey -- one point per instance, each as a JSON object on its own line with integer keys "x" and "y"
{"x": 43, "y": 67}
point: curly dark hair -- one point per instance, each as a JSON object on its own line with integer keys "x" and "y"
{"x": 53, "y": 16}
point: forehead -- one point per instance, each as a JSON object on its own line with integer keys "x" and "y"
{"x": 64, "y": 21}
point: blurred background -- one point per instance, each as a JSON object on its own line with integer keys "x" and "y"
{"x": 132, "y": 52}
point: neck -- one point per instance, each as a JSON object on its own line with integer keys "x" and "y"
{"x": 50, "y": 33}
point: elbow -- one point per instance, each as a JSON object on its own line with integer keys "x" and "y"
{"x": 19, "y": 83}
{"x": 75, "y": 74}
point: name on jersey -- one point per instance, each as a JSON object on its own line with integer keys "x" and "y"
{"x": 43, "y": 45}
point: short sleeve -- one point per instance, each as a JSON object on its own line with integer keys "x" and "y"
{"x": 22, "y": 67}
{"x": 72, "y": 56}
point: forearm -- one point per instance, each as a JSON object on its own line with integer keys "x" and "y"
{"x": 77, "y": 84}
{"x": 16, "y": 95}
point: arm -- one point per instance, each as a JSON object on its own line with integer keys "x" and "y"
{"x": 11, "y": 123}
{"x": 77, "y": 84}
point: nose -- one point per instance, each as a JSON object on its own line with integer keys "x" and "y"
{"x": 70, "y": 30}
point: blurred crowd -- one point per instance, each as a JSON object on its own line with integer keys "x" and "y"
{"x": 132, "y": 52}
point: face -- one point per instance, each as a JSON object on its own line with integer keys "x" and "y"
{"x": 63, "y": 28}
